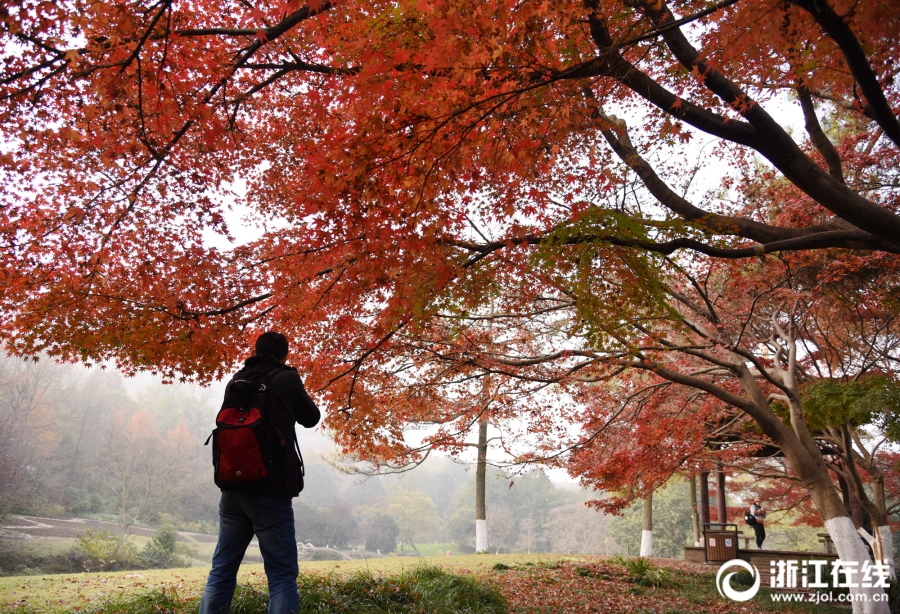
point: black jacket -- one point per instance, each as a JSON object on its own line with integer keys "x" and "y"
{"x": 288, "y": 403}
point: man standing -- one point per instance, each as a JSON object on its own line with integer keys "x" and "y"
{"x": 264, "y": 509}
{"x": 759, "y": 514}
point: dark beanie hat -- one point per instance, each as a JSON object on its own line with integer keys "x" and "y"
{"x": 272, "y": 343}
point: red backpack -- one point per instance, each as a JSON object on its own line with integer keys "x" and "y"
{"x": 248, "y": 446}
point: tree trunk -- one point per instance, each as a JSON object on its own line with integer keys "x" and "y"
{"x": 882, "y": 532}
{"x": 721, "y": 509}
{"x": 805, "y": 458}
{"x": 647, "y": 527}
{"x": 704, "y": 500}
{"x": 695, "y": 517}
{"x": 850, "y": 547}
{"x": 847, "y": 541}
{"x": 852, "y": 504}
{"x": 481, "y": 529}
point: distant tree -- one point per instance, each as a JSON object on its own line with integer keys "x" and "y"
{"x": 530, "y": 534}
{"x": 503, "y": 527}
{"x": 319, "y": 526}
{"x": 415, "y": 514}
{"x": 138, "y": 472}
{"x": 380, "y": 532}
{"x": 26, "y": 428}
{"x": 461, "y": 529}
{"x": 578, "y": 529}
{"x": 672, "y": 524}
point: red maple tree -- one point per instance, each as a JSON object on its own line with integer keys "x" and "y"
{"x": 407, "y": 162}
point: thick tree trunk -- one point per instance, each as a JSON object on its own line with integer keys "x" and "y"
{"x": 647, "y": 527}
{"x": 847, "y": 541}
{"x": 874, "y": 528}
{"x": 850, "y": 547}
{"x": 481, "y": 529}
{"x": 805, "y": 458}
{"x": 721, "y": 509}
{"x": 852, "y": 504}
{"x": 695, "y": 517}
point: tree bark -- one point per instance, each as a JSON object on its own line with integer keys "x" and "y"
{"x": 647, "y": 527}
{"x": 481, "y": 529}
{"x": 704, "y": 497}
{"x": 721, "y": 509}
{"x": 695, "y": 518}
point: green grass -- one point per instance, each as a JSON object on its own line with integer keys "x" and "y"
{"x": 48, "y": 592}
{"x": 424, "y": 589}
{"x": 437, "y": 549}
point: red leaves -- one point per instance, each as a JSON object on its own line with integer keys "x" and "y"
{"x": 594, "y": 585}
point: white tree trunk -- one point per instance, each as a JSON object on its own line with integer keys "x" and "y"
{"x": 850, "y": 547}
{"x": 481, "y": 536}
{"x": 882, "y": 544}
{"x": 887, "y": 548}
{"x": 647, "y": 527}
{"x": 646, "y": 543}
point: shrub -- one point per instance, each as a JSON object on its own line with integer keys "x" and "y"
{"x": 100, "y": 550}
{"x": 324, "y": 554}
{"x": 163, "y": 551}
{"x": 642, "y": 571}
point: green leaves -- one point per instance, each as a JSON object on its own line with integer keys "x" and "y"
{"x": 590, "y": 258}
{"x": 871, "y": 400}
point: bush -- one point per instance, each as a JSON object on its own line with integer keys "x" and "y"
{"x": 100, "y": 550}
{"x": 642, "y": 571}
{"x": 324, "y": 554}
{"x": 163, "y": 551}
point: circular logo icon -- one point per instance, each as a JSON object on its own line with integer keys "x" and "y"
{"x": 724, "y": 584}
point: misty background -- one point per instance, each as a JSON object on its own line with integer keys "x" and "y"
{"x": 129, "y": 454}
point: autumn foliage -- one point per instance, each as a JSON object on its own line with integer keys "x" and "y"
{"x": 533, "y": 210}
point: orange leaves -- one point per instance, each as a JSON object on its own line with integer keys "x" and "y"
{"x": 401, "y": 164}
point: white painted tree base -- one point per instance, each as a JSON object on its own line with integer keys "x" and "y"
{"x": 481, "y": 536}
{"x": 887, "y": 544}
{"x": 882, "y": 545}
{"x": 850, "y": 547}
{"x": 646, "y": 543}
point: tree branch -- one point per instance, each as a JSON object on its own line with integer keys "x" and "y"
{"x": 839, "y": 31}
{"x": 817, "y": 136}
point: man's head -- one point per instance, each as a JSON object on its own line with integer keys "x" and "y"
{"x": 272, "y": 343}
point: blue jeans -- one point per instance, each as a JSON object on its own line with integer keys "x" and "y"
{"x": 272, "y": 520}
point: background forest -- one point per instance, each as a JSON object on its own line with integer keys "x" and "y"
{"x": 78, "y": 443}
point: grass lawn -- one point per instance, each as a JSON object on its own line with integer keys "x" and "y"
{"x": 437, "y": 549}
{"x": 72, "y": 590}
{"x": 522, "y": 584}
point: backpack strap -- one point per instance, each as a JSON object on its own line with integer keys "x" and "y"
{"x": 300, "y": 456}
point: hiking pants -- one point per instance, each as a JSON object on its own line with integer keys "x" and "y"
{"x": 241, "y": 516}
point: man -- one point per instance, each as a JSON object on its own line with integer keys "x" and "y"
{"x": 759, "y": 514}
{"x": 265, "y": 509}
